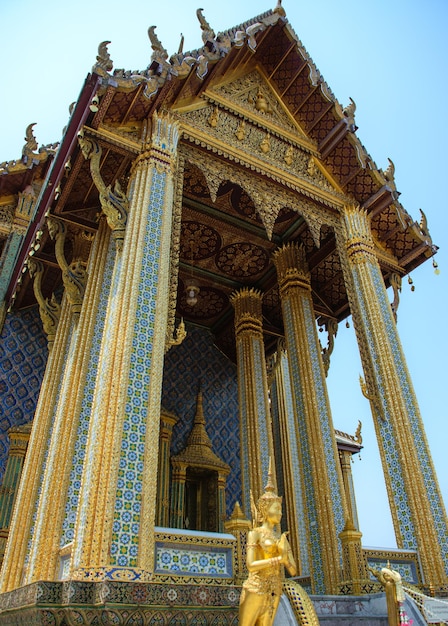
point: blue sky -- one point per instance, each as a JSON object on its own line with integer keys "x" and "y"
{"x": 390, "y": 56}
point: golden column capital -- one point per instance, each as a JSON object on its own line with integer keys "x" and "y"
{"x": 359, "y": 241}
{"x": 248, "y": 310}
{"x": 24, "y": 210}
{"x": 19, "y": 437}
{"x": 292, "y": 267}
{"x": 161, "y": 145}
{"x": 167, "y": 422}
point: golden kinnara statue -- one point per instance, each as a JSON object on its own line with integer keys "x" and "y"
{"x": 267, "y": 552}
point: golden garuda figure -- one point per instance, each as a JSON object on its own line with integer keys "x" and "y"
{"x": 267, "y": 552}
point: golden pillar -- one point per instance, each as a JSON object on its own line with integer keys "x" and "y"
{"x": 222, "y": 479}
{"x": 14, "y": 562}
{"x": 167, "y": 421}
{"x": 417, "y": 508}
{"x": 324, "y": 502}
{"x": 44, "y": 558}
{"x": 255, "y": 417}
{"x": 354, "y": 564}
{"x": 114, "y": 534}
{"x": 345, "y": 459}
{"x": 18, "y": 442}
{"x": 239, "y": 526}
{"x": 178, "y": 495}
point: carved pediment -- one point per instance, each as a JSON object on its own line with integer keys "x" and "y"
{"x": 253, "y": 95}
{"x": 226, "y": 131}
{"x": 245, "y": 116}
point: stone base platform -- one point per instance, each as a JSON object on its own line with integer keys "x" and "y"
{"x": 73, "y": 603}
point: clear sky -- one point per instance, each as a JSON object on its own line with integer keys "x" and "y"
{"x": 390, "y": 56}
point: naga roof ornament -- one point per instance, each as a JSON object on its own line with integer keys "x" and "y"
{"x": 180, "y": 64}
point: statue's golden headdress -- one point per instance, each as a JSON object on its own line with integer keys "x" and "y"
{"x": 266, "y": 500}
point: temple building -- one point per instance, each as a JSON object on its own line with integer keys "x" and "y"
{"x": 165, "y": 270}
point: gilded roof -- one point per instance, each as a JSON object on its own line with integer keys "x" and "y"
{"x": 259, "y": 125}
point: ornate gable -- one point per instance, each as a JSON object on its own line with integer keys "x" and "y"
{"x": 245, "y": 120}
{"x": 252, "y": 96}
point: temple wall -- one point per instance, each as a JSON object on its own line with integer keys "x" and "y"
{"x": 198, "y": 362}
{"x": 23, "y": 357}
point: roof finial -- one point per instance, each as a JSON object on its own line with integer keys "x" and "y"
{"x": 159, "y": 51}
{"x": 389, "y": 174}
{"x": 181, "y": 44}
{"x": 103, "y": 59}
{"x": 31, "y": 143}
{"x": 279, "y": 9}
{"x": 208, "y": 34}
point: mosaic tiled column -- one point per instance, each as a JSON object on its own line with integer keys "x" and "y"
{"x": 417, "y": 508}
{"x": 321, "y": 475}
{"x": 167, "y": 421}
{"x": 25, "y": 506}
{"x": 289, "y": 466}
{"x": 18, "y": 442}
{"x": 114, "y": 534}
{"x": 255, "y": 417}
{"x": 65, "y": 442}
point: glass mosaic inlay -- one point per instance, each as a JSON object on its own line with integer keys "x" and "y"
{"x": 296, "y": 468}
{"x": 126, "y": 525}
{"x": 304, "y": 446}
{"x": 326, "y": 422}
{"x": 193, "y": 561}
{"x": 68, "y": 527}
{"x": 261, "y": 406}
{"x": 388, "y": 441}
{"x": 415, "y": 422}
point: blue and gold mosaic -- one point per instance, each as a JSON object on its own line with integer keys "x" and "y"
{"x": 71, "y": 506}
{"x": 197, "y": 362}
{"x": 126, "y": 525}
{"x": 415, "y": 423}
{"x": 193, "y": 560}
{"x": 388, "y": 439}
{"x": 294, "y": 457}
{"x": 23, "y": 357}
{"x": 245, "y": 500}
{"x": 314, "y": 541}
{"x": 262, "y": 409}
{"x": 326, "y": 422}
